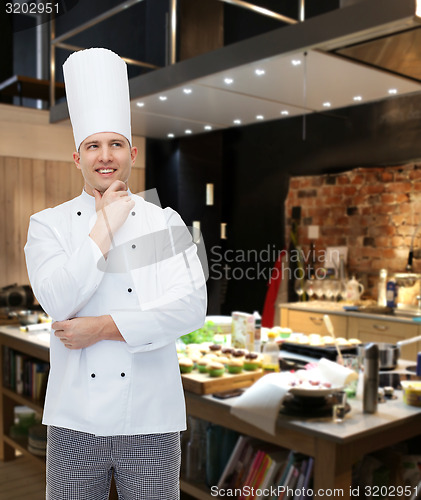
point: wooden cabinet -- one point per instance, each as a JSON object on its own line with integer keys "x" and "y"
{"x": 377, "y": 330}
{"x": 9, "y": 399}
{"x": 312, "y": 322}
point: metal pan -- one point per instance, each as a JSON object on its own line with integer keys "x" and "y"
{"x": 389, "y": 353}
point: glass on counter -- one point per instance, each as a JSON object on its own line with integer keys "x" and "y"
{"x": 339, "y": 407}
{"x": 351, "y": 361}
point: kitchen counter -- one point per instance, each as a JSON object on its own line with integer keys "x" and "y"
{"x": 307, "y": 317}
{"x": 334, "y": 446}
{"x": 326, "y": 307}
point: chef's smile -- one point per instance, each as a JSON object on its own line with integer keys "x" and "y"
{"x": 106, "y": 172}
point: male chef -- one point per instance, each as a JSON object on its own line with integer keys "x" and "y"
{"x": 122, "y": 281}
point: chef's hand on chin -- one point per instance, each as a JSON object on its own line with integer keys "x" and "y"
{"x": 113, "y": 208}
{"x": 77, "y": 333}
{"x": 114, "y": 192}
{"x": 114, "y": 205}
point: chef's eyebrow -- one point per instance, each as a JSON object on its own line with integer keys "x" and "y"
{"x": 115, "y": 139}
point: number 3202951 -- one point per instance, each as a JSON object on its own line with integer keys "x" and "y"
{"x": 31, "y": 8}
{"x": 390, "y": 491}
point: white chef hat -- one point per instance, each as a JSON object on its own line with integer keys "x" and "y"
{"x": 97, "y": 92}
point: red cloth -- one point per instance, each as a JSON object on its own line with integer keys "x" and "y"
{"x": 268, "y": 315}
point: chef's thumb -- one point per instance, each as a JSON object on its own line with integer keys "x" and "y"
{"x": 98, "y": 198}
{"x": 97, "y": 194}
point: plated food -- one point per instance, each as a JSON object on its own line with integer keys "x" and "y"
{"x": 216, "y": 360}
{"x": 186, "y": 365}
{"x": 317, "y": 340}
{"x": 216, "y": 369}
{"x": 252, "y": 361}
{"x": 311, "y": 383}
{"x": 235, "y": 366}
{"x": 411, "y": 392}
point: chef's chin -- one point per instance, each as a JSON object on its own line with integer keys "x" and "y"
{"x": 104, "y": 186}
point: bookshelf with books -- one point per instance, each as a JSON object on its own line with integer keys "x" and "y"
{"x": 258, "y": 471}
{"x": 322, "y": 453}
{"x": 24, "y": 364}
{"x": 240, "y": 466}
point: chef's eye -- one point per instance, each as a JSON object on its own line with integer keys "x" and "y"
{"x": 117, "y": 144}
{"x": 92, "y": 146}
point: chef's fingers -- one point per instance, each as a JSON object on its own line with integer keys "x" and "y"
{"x": 59, "y": 325}
{"x": 110, "y": 196}
{"x": 97, "y": 195}
{"x": 116, "y": 186}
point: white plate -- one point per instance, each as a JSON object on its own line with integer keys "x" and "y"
{"x": 314, "y": 393}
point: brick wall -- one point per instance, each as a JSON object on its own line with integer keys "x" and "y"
{"x": 372, "y": 211}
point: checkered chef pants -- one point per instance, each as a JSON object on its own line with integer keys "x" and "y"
{"x": 80, "y": 466}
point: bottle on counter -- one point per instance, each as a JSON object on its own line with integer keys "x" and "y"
{"x": 391, "y": 293}
{"x": 381, "y": 294}
{"x": 371, "y": 378}
{"x": 257, "y": 331}
{"x": 342, "y": 277}
{"x": 271, "y": 354}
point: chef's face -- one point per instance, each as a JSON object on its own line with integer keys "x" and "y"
{"x": 104, "y": 158}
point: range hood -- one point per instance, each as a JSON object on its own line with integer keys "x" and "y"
{"x": 398, "y": 53}
{"x": 331, "y": 61}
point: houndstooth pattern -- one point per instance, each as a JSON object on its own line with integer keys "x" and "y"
{"x": 80, "y": 466}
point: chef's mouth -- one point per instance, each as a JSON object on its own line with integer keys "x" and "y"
{"x": 105, "y": 171}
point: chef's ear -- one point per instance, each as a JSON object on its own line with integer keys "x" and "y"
{"x": 76, "y": 159}
{"x": 133, "y": 154}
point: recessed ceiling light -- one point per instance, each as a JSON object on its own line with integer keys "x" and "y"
{"x": 208, "y": 127}
{"x": 285, "y": 112}
{"x": 237, "y": 122}
{"x": 228, "y": 81}
{"x": 187, "y": 91}
{"x": 357, "y": 98}
{"x": 163, "y": 97}
{"x": 296, "y": 62}
{"x": 140, "y": 104}
{"x": 260, "y": 72}
{"x": 260, "y": 117}
{"x": 170, "y": 136}
{"x": 188, "y": 131}
{"x": 393, "y": 91}
{"x": 327, "y": 104}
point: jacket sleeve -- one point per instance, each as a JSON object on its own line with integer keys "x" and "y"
{"x": 180, "y": 307}
{"x": 63, "y": 280}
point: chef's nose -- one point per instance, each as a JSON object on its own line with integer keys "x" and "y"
{"x": 105, "y": 154}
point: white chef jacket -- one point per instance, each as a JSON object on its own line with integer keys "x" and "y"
{"x": 152, "y": 285}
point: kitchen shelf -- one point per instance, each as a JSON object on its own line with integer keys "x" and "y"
{"x": 21, "y": 445}
{"x": 23, "y": 400}
{"x": 196, "y": 490}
